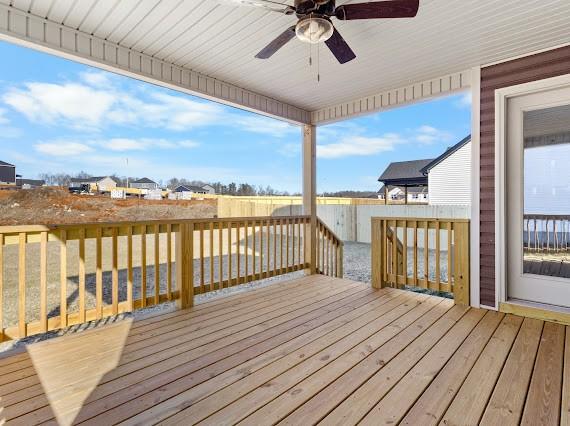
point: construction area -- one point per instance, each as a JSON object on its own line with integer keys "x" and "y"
{"x": 52, "y": 205}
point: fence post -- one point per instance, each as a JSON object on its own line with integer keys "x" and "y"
{"x": 185, "y": 265}
{"x": 461, "y": 263}
{"x": 378, "y": 255}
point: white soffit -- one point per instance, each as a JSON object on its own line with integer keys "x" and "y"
{"x": 406, "y": 59}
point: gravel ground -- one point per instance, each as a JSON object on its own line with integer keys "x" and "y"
{"x": 357, "y": 257}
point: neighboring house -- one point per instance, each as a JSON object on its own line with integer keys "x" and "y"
{"x": 7, "y": 174}
{"x": 144, "y": 183}
{"x": 211, "y": 190}
{"x": 449, "y": 175}
{"x": 404, "y": 177}
{"x": 416, "y": 194}
{"x": 97, "y": 183}
{"x": 29, "y": 183}
{"x": 191, "y": 188}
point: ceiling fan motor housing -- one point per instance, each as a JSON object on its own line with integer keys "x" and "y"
{"x": 314, "y": 7}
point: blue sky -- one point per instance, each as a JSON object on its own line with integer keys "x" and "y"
{"x": 60, "y": 116}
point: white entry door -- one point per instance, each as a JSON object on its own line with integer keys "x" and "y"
{"x": 538, "y": 197}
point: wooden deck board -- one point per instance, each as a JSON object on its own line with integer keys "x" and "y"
{"x": 315, "y": 350}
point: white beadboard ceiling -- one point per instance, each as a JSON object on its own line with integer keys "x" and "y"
{"x": 219, "y": 39}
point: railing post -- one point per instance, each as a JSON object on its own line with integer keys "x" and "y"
{"x": 310, "y": 190}
{"x": 185, "y": 265}
{"x": 461, "y": 263}
{"x": 378, "y": 254}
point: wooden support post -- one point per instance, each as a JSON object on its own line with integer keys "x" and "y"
{"x": 385, "y": 194}
{"x": 378, "y": 253}
{"x": 185, "y": 265}
{"x": 310, "y": 190}
{"x": 405, "y": 195}
{"x": 461, "y": 263}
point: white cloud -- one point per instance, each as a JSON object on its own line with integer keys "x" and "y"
{"x": 73, "y": 148}
{"x": 78, "y": 105}
{"x": 3, "y": 118}
{"x": 62, "y": 148}
{"x": 428, "y": 135}
{"x": 97, "y": 78}
{"x": 359, "y": 146}
{"x": 465, "y": 100}
{"x": 266, "y": 126}
{"x": 95, "y": 102}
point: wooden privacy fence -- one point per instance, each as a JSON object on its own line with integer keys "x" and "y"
{"x": 57, "y": 276}
{"x": 546, "y": 233}
{"x": 427, "y": 253}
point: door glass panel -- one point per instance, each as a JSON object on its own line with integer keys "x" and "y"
{"x": 546, "y": 224}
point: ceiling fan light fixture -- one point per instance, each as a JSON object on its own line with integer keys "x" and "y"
{"x": 314, "y": 30}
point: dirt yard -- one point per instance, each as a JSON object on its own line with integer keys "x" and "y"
{"x": 48, "y": 206}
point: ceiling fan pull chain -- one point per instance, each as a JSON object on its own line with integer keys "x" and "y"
{"x": 318, "y": 63}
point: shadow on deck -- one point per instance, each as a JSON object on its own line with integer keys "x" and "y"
{"x": 311, "y": 350}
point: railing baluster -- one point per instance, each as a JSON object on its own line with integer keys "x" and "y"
{"x": 220, "y": 254}
{"x": 260, "y": 249}
{"x": 268, "y": 252}
{"x": 437, "y": 257}
{"x": 22, "y": 284}
{"x": 230, "y": 280}
{"x": 246, "y": 249}
{"x": 63, "y": 277}
{"x": 415, "y": 253}
{"x": 449, "y": 256}
{"x": 254, "y": 250}
{"x": 426, "y": 254}
{"x": 130, "y": 280}
{"x": 82, "y": 275}
{"x": 394, "y": 225}
{"x": 202, "y": 279}
{"x": 293, "y": 244}
{"x": 143, "y": 265}
{"x": 211, "y": 251}
{"x": 1, "y": 287}
{"x": 43, "y": 281}
{"x": 238, "y": 256}
{"x": 405, "y": 252}
{"x": 274, "y": 270}
{"x": 169, "y": 260}
{"x": 156, "y": 264}
{"x": 99, "y": 273}
{"x": 281, "y": 245}
{"x": 115, "y": 273}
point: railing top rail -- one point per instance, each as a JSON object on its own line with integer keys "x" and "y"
{"x": 547, "y": 216}
{"x": 422, "y": 219}
{"x": 15, "y": 229}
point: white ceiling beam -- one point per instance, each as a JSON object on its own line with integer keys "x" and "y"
{"x": 442, "y": 86}
{"x": 41, "y": 34}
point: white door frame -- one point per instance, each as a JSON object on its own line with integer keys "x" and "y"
{"x": 501, "y": 97}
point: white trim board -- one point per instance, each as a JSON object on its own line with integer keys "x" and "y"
{"x": 501, "y": 98}
{"x": 418, "y": 92}
{"x": 475, "y": 267}
{"x": 41, "y": 34}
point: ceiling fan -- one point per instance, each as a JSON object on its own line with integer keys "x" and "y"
{"x": 315, "y": 26}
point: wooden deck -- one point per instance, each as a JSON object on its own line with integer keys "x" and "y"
{"x": 311, "y": 350}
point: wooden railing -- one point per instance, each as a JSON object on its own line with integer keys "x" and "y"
{"x": 56, "y": 276}
{"x": 546, "y": 233}
{"x": 400, "y": 257}
{"x": 330, "y": 252}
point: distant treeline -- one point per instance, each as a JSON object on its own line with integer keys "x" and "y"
{"x": 243, "y": 189}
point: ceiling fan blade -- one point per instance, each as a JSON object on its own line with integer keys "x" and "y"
{"x": 340, "y": 48}
{"x": 269, "y": 50}
{"x": 378, "y": 9}
{"x": 274, "y": 6}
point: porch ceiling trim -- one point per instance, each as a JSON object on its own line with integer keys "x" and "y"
{"x": 31, "y": 31}
{"x": 429, "y": 89}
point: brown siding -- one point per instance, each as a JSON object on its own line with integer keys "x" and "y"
{"x": 531, "y": 68}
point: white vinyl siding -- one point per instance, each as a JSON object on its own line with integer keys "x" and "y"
{"x": 450, "y": 181}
